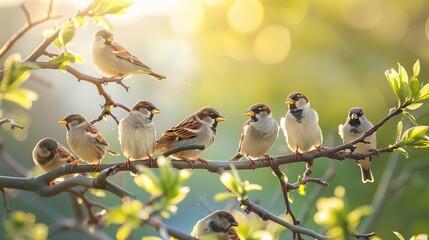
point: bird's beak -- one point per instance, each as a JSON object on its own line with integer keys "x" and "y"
{"x": 250, "y": 113}
{"x": 62, "y": 122}
{"x": 354, "y": 116}
{"x": 234, "y": 224}
{"x": 289, "y": 101}
{"x": 220, "y": 119}
{"x": 155, "y": 111}
{"x": 109, "y": 39}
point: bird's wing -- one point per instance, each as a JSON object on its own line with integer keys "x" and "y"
{"x": 123, "y": 53}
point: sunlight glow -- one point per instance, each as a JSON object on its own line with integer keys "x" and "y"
{"x": 362, "y": 14}
{"x": 245, "y": 15}
{"x": 188, "y": 17}
{"x": 272, "y": 44}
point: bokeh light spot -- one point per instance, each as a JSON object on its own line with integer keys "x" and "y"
{"x": 362, "y": 14}
{"x": 188, "y": 17}
{"x": 245, "y": 15}
{"x": 272, "y": 44}
{"x": 235, "y": 46}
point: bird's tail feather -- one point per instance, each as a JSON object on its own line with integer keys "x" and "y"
{"x": 113, "y": 153}
{"x": 236, "y": 157}
{"x": 366, "y": 175}
{"x": 157, "y": 76}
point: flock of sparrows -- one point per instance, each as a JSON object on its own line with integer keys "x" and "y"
{"x": 138, "y": 138}
{"x": 137, "y": 134}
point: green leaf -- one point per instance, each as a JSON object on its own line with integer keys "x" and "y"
{"x": 424, "y": 93}
{"x": 414, "y": 132}
{"x": 67, "y": 32}
{"x": 102, "y": 22}
{"x": 420, "y": 237}
{"x": 117, "y": 7}
{"x": 402, "y": 151}
{"x": 301, "y": 189}
{"x": 414, "y": 106}
{"x": 399, "y": 131}
{"x": 124, "y": 231}
{"x": 394, "y": 81}
{"x": 290, "y": 197}
{"x": 399, "y": 235}
{"x": 415, "y": 88}
{"x": 82, "y": 21}
{"x": 416, "y": 69}
{"x": 223, "y": 196}
{"x": 411, "y": 117}
{"x": 21, "y": 96}
{"x": 58, "y": 59}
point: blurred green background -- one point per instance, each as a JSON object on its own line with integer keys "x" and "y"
{"x": 230, "y": 54}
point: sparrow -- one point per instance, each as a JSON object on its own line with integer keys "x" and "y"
{"x": 197, "y": 129}
{"x": 356, "y": 124}
{"x": 137, "y": 132}
{"x": 85, "y": 140}
{"x": 301, "y": 125}
{"x": 49, "y": 154}
{"x": 259, "y": 133}
{"x": 114, "y": 61}
{"x": 218, "y": 225}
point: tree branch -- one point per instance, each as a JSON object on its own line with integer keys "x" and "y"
{"x": 28, "y": 25}
{"x": 265, "y": 215}
{"x": 158, "y": 225}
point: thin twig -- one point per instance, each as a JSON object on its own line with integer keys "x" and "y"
{"x": 314, "y": 195}
{"x": 5, "y": 205}
{"x": 155, "y": 223}
{"x": 265, "y": 215}
{"x": 12, "y": 123}
{"x": 28, "y": 25}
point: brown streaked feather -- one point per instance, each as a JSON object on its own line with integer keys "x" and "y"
{"x": 181, "y": 131}
{"x": 232, "y": 234}
{"x": 66, "y": 154}
{"x": 97, "y": 136}
{"x": 123, "y": 53}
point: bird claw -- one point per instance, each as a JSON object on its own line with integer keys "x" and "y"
{"x": 151, "y": 160}
{"x": 319, "y": 148}
{"x": 252, "y": 164}
{"x": 75, "y": 162}
{"x": 97, "y": 167}
{"x": 127, "y": 162}
{"x": 205, "y": 161}
{"x": 191, "y": 163}
{"x": 297, "y": 155}
{"x": 267, "y": 157}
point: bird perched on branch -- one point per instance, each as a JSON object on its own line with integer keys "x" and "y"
{"x": 114, "y": 61}
{"x": 218, "y": 225}
{"x": 259, "y": 133}
{"x": 137, "y": 133}
{"x": 85, "y": 140}
{"x": 49, "y": 154}
{"x": 197, "y": 129}
{"x": 356, "y": 124}
{"x": 301, "y": 124}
